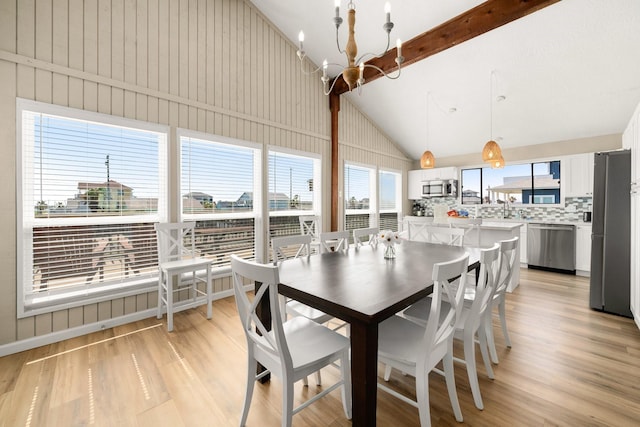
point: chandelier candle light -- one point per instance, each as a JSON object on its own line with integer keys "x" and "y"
{"x": 353, "y": 72}
{"x": 389, "y": 239}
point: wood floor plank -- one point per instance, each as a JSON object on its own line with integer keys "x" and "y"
{"x": 569, "y": 366}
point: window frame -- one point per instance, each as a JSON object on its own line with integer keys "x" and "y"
{"x": 256, "y": 212}
{"x": 531, "y": 163}
{"x": 372, "y": 211}
{"x": 29, "y": 303}
{"x": 398, "y": 196}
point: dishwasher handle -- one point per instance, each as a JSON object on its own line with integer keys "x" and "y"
{"x": 552, "y": 227}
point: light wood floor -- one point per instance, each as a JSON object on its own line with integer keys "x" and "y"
{"x": 569, "y": 366}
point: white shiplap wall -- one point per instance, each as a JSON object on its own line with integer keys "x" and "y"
{"x": 215, "y": 66}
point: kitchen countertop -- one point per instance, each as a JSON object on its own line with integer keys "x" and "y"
{"x": 497, "y": 222}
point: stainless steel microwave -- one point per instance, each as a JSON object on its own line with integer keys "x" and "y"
{"x": 440, "y": 188}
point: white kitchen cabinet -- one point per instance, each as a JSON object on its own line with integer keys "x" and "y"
{"x": 583, "y": 249}
{"x": 440, "y": 173}
{"x": 523, "y": 244}
{"x": 635, "y": 253}
{"x": 631, "y": 140}
{"x": 577, "y": 174}
{"x": 415, "y": 178}
{"x": 414, "y": 189}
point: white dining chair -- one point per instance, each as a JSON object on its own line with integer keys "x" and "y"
{"x": 476, "y": 305}
{"x": 177, "y": 262}
{"x": 365, "y": 236}
{"x": 507, "y": 264}
{"x": 445, "y": 235}
{"x": 416, "y": 349}
{"x": 298, "y": 246}
{"x": 289, "y": 350}
{"x": 334, "y": 241}
{"x": 310, "y": 226}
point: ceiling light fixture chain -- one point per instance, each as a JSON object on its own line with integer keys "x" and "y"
{"x": 427, "y": 161}
{"x": 491, "y": 152}
{"x": 353, "y": 72}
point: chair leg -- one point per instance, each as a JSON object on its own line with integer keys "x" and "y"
{"x": 209, "y": 295}
{"x": 159, "y": 311}
{"x": 491, "y": 343}
{"x": 503, "y": 321}
{"x": 387, "y": 372}
{"x": 169, "y": 304}
{"x": 472, "y": 373}
{"x": 447, "y": 362}
{"x": 251, "y": 380}
{"x": 345, "y": 368}
{"x": 422, "y": 397}
{"x": 482, "y": 341}
{"x": 287, "y": 401}
{"x": 318, "y": 378}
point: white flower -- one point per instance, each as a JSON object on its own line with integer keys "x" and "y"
{"x": 388, "y": 237}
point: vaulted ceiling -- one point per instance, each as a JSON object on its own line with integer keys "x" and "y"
{"x": 570, "y": 70}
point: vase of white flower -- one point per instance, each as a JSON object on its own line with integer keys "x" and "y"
{"x": 389, "y": 239}
{"x": 390, "y": 252}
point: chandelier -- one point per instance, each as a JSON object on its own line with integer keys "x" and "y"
{"x": 353, "y": 72}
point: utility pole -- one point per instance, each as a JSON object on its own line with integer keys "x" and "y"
{"x": 108, "y": 196}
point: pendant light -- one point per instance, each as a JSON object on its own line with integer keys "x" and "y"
{"x": 427, "y": 161}
{"x": 497, "y": 163}
{"x": 491, "y": 151}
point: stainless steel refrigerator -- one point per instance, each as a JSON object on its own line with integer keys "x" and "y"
{"x": 610, "y": 238}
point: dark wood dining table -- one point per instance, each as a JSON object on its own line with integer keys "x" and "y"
{"x": 363, "y": 288}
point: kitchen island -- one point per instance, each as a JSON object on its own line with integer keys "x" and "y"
{"x": 479, "y": 233}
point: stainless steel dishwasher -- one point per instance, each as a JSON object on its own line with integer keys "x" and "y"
{"x": 552, "y": 247}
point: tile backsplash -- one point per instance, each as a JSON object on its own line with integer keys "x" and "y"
{"x": 571, "y": 211}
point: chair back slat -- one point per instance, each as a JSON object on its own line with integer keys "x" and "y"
{"x": 449, "y": 278}
{"x": 370, "y": 233}
{"x": 486, "y": 286}
{"x": 310, "y": 225}
{"x": 507, "y": 263}
{"x": 336, "y": 241}
{"x": 282, "y": 247}
{"x": 175, "y": 241}
{"x": 269, "y": 338}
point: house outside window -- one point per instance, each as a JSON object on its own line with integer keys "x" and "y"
{"x": 90, "y": 187}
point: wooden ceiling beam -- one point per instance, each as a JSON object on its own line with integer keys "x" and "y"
{"x": 472, "y": 23}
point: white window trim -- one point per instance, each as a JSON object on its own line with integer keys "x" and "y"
{"x": 317, "y": 180}
{"x": 30, "y": 304}
{"x": 258, "y": 202}
{"x": 373, "y": 193}
{"x": 398, "y": 192}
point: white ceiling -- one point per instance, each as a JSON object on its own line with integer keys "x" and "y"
{"x": 570, "y": 70}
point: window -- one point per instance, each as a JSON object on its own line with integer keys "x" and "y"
{"x": 220, "y": 190}
{"x": 294, "y": 189}
{"x": 390, "y": 202}
{"x": 359, "y": 196}
{"x": 91, "y": 187}
{"x": 530, "y": 183}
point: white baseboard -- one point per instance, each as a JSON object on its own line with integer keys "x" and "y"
{"x": 53, "y": 337}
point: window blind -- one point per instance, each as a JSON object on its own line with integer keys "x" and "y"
{"x": 91, "y": 192}
{"x": 218, "y": 191}
{"x": 359, "y": 186}
{"x": 389, "y": 196}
